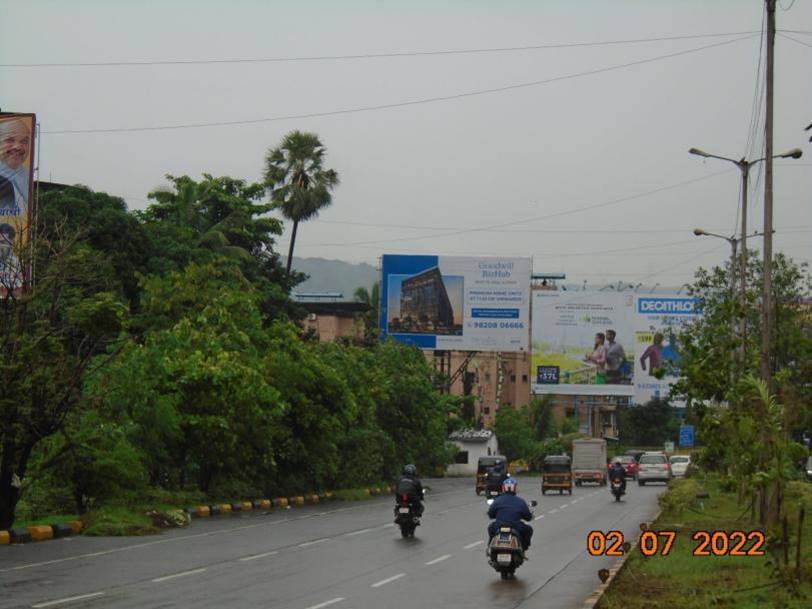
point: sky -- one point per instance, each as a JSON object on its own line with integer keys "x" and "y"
{"x": 578, "y": 159}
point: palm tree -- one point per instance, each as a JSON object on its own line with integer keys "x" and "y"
{"x": 300, "y": 186}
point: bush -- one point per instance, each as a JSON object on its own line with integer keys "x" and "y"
{"x": 681, "y": 495}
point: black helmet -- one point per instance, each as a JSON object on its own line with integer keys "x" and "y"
{"x": 410, "y": 470}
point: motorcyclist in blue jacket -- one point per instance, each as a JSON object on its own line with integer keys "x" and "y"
{"x": 510, "y": 510}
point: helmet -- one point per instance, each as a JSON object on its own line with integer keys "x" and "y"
{"x": 509, "y": 485}
{"x": 410, "y": 470}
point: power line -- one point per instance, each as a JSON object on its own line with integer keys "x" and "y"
{"x": 806, "y": 44}
{"x": 395, "y": 54}
{"x": 415, "y": 102}
{"x": 543, "y": 217}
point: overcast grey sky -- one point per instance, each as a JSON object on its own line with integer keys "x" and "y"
{"x": 514, "y": 159}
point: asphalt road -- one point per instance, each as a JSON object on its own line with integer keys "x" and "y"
{"x": 342, "y": 555}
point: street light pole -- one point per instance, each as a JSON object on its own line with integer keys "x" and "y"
{"x": 767, "y": 289}
{"x": 744, "y": 167}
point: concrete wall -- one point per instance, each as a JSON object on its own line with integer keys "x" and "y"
{"x": 330, "y": 327}
{"x": 475, "y": 451}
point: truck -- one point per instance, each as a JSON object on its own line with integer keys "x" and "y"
{"x": 589, "y": 461}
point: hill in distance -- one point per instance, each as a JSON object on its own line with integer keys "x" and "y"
{"x": 334, "y": 276}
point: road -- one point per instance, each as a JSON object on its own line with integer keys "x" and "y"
{"x": 342, "y": 555}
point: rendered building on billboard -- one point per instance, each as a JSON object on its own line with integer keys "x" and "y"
{"x": 425, "y": 306}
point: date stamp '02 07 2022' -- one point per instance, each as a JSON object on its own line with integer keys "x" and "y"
{"x": 653, "y": 543}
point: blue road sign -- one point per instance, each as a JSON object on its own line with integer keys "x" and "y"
{"x": 686, "y": 436}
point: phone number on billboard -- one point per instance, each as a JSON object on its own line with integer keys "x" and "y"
{"x": 514, "y": 325}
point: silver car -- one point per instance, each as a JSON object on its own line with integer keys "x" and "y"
{"x": 653, "y": 467}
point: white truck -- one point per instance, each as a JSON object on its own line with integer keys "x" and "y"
{"x": 589, "y": 461}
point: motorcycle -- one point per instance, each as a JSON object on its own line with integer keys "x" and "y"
{"x": 407, "y": 515}
{"x": 505, "y": 552}
{"x": 617, "y": 488}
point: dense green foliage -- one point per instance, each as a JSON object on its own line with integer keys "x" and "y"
{"x": 159, "y": 354}
{"x": 650, "y": 424}
{"x": 747, "y": 431}
{"x": 529, "y": 433}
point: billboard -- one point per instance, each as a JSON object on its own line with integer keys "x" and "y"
{"x": 658, "y": 319}
{"x": 572, "y": 352}
{"x": 456, "y": 302}
{"x": 16, "y": 187}
{"x": 607, "y": 343}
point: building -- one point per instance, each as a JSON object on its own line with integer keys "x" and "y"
{"x": 471, "y": 445}
{"x": 330, "y": 319}
{"x": 425, "y": 305}
{"x": 494, "y": 379}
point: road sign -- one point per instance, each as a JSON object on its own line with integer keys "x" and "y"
{"x": 686, "y": 436}
{"x": 669, "y": 447}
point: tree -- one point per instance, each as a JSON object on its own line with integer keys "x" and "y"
{"x": 514, "y": 432}
{"x": 371, "y": 298}
{"x": 650, "y": 424}
{"x": 50, "y": 338}
{"x": 300, "y": 186}
{"x": 199, "y": 221}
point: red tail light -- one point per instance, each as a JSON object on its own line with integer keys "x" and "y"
{"x": 405, "y": 498}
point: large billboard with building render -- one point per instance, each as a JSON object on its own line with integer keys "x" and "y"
{"x": 16, "y": 186}
{"x": 456, "y": 303}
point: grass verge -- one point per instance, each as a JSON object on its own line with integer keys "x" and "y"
{"x": 683, "y": 580}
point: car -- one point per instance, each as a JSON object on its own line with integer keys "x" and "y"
{"x": 653, "y": 467}
{"x": 636, "y": 454}
{"x": 629, "y": 464}
{"x": 808, "y": 469}
{"x": 679, "y": 464}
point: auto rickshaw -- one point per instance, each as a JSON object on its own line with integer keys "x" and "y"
{"x": 489, "y": 474}
{"x": 556, "y": 474}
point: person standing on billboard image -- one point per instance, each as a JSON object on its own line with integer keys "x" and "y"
{"x": 615, "y": 359}
{"x": 654, "y": 355}
{"x": 598, "y": 357}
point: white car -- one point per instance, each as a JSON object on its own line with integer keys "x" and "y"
{"x": 679, "y": 464}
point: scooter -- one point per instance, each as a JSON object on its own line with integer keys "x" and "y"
{"x": 406, "y": 515}
{"x": 617, "y": 488}
{"x": 505, "y": 552}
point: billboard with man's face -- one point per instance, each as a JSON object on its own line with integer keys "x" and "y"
{"x": 457, "y": 303}
{"x": 16, "y": 187}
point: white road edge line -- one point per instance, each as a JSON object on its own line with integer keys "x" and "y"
{"x": 69, "y": 599}
{"x": 255, "y": 556}
{"x": 439, "y": 559}
{"x": 332, "y": 601}
{"x": 158, "y": 580}
{"x": 473, "y": 545}
{"x": 348, "y": 534}
{"x": 540, "y": 517}
{"x": 554, "y": 511}
{"x": 387, "y": 580}
{"x": 313, "y": 543}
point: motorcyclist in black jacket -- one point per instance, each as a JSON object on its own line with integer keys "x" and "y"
{"x": 618, "y": 472}
{"x": 410, "y": 488}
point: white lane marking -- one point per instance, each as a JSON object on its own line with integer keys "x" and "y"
{"x": 332, "y": 601}
{"x": 69, "y": 599}
{"x": 387, "y": 580}
{"x": 255, "y": 556}
{"x": 357, "y": 532}
{"x": 165, "y": 578}
{"x": 540, "y": 517}
{"x": 386, "y": 526}
{"x": 473, "y": 545}
{"x": 563, "y": 506}
{"x": 554, "y": 511}
{"x": 313, "y": 543}
{"x": 439, "y": 559}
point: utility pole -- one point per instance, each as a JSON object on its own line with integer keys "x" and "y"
{"x": 766, "y": 295}
{"x": 745, "y": 169}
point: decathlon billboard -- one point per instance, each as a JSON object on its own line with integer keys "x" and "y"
{"x": 456, "y": 303}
